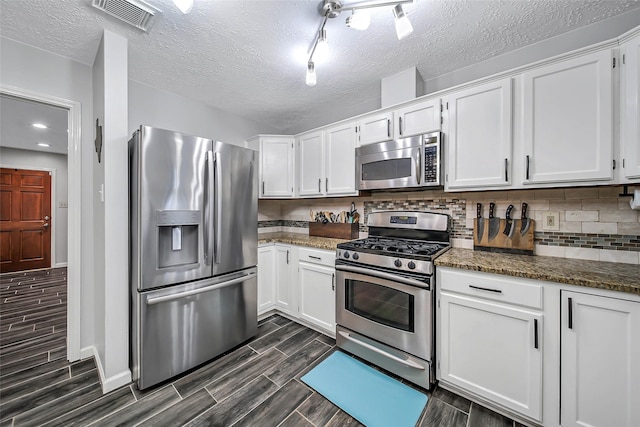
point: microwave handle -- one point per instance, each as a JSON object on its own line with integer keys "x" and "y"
{"x": 419, "y": 165}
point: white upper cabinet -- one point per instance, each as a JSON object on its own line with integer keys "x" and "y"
{"x": 276, "y": 166}
{"x": 479, "y": 136}
{"x": 375, "y": 128}
{"x": 326, "y": 162}
{"x": 418, "y": 118}
{"x": 630, "y": 112}
{"x": 311, "y": 164}
{"x": 340, "y": 162}
{"x": 568, "y": 119}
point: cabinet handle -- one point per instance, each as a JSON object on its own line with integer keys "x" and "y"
{"x": 498, "y": 291}
{"x": 535, "y": 333}
{"x": 287, "y": 256}
{"x": 326, "y": 185}
{"x": 315, "y": 257}
{"x": 400, "y": 125}
{"x": 388, "y": 128}
{"x": 506, "y": 170}
{"x": 570, "y": 313}
{"x": 527, "y": 170}
{"x": 333, "y": 282}
{"x": 319, "y": 184}
{"x": 263, "y": 188}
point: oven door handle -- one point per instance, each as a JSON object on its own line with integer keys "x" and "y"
{"x": 409, "y": 363}
{"x": 382, "y": 275}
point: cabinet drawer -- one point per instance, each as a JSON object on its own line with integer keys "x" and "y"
{"x": 317, "y": 256}
{"x": 492, "y": 287}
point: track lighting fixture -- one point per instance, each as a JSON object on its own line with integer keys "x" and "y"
{"x": 358, "y": 20}
{"x": 403, "y": 25}
{"x": 184, "y": 5}
{"x": 311, "y": 74}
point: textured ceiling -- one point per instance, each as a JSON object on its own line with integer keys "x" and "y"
{"x": 244, "y": 56}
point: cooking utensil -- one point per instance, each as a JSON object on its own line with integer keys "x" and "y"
{"x": 480, "y": 229}
{"x": 526, "y": 222}
{"x": 508, "y": 227}
{"x": 494, "y": 223}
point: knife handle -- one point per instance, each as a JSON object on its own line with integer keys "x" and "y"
{"x": 492, "y": 209}
{"x": 479, "y": 207}
{"x": 508, "y": 214}
{"x": 524, "y": 210}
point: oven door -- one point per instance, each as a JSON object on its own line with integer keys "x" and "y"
{"x": 387, "y": 307}
{"x": 390, "y": 164}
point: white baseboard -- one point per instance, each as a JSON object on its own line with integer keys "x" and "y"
{"x": 60, "y": 264}
{"x": 114, "y": 381}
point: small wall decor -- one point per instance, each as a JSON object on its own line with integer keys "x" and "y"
{"x": 98, "y": 141}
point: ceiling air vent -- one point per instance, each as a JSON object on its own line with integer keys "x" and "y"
{"x": 133, "y": 12}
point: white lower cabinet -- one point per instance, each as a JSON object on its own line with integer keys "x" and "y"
{"x": 266, "y": 278}
{"x": 285, "y": 295}
{"x": 600, "y": 373}
{"x": 316, "y": 286}
{"x": 489, "y": 344}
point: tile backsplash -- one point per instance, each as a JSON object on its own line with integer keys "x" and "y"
{"x": 594, "y": 223}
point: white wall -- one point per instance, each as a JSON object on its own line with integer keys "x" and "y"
{"x": 26, "y": 159}
{"x": 38, "y": 71}
{"x": 167, "y": 110}
{"x": 110, "y": 105}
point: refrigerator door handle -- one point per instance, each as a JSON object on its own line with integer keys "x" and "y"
{"x": 166, "y": 298}
{"x": 217, "y": 207}
{"x": 208, "y": 242}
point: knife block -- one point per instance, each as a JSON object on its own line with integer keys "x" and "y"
{"x": 517, "y": 244}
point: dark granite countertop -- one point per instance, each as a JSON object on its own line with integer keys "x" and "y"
{"x": 300, "y": 240}
{"x": 595, "y": 274}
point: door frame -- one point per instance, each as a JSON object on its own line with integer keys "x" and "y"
{"x": 74, "y": 183}
{"x": 52, "y": 173}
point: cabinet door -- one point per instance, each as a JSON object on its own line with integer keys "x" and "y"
{"x": 600, "y": 374}
{"x": 340, "y": 149}
{"x": 266, "y": 277}
{"x": 311, "y": 164}
{"x": 375, "y": 128}
{"x": 568, "y": 120}
{"x": 418, "y": 118}
{"x": 284, "y": 298}
{"x": 630, "y": 93}
{"x": 479, "y": 136}
{"x": 276, "y": 167}
{"x": 317, "y": 295}
{"x": 492, "y": 350}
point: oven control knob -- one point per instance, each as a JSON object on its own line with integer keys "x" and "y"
{"x": 356, "y": 256}
{"x": 397, "y": 263}
{"x": 411, "y": 265}
{"x": 346, "y": 255}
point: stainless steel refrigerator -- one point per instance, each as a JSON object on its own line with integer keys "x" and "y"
{"x": 193, "y": 246}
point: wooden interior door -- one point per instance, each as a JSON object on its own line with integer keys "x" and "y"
{"x": 25, "y": 218}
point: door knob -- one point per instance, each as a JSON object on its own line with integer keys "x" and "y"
{"x": 45, "y": 225}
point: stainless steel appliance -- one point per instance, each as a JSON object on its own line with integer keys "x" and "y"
{"x": 193, "y": 206}
{"x": 385, "y": 292}
{"x": 409, "y": 162}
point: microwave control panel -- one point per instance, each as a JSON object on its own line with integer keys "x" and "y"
{"x": 432, "y": 160}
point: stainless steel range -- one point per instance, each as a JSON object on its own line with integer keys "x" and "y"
{"x": 385, "y": 292}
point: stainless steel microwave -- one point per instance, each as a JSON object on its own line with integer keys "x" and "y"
{"x": 402, "y": 163}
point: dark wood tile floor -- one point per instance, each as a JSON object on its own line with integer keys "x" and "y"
{"x": 256, "y": 384}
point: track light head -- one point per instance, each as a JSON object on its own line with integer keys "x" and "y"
{"x": 358, "y": 20}
{"x": 403, "y": 25}
{"x": 311, "y": 74}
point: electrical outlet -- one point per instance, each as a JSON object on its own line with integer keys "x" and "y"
{"x": 551, "y": 221}
{"x": 63, "y": 205}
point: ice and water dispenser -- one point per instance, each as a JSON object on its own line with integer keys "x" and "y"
{"x": 178, "y": 237}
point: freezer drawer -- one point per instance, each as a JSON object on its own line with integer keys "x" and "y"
{"x": 181, "y": 327}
